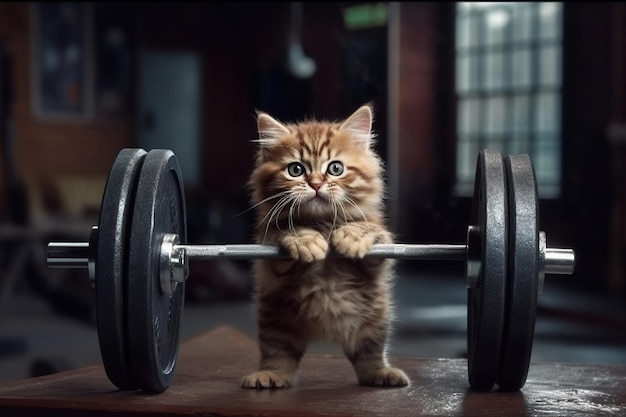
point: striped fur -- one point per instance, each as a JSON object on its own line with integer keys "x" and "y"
{"x": 312, "y": 210}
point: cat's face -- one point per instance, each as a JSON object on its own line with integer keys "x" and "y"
{"x": 315, "y": 168}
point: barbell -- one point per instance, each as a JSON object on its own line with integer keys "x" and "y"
{"x": 138, "y": 262}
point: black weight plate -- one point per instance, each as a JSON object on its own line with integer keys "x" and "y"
{"x": 111, "y": 268}
{"x": 154, "y": 317}
{"x": 523, "y": 273}
{"x": 486, "y": 297}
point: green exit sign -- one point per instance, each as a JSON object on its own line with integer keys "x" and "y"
{"x": 365, "y": 16}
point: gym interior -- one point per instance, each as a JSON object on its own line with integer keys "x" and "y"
{"x": 81, "y": 81}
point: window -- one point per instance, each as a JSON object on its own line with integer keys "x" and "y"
{"x": 508, "y": 87}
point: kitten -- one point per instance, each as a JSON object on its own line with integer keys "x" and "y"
{"x": 318, "y": 189}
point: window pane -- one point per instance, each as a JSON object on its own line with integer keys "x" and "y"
{"x": 494, "y": 141}
{"x": 464, "y": 6}
{"x": 496, "y": 24}
{"x": 462, "y": 32}
{"x": 549, "y": 20}
{"x": 496, "y": 114}
{"x": 469, "y": 115}
{"x": 494, "y": 70}
{"x": 467, "y": 72}
{"x": 473, "y": 31}
{"x": 519, "y": 142}
{"x": 550, "y": 66}
{"x": 522, "y": 22}
{"x": 521, "y": 113}
{"x": 462, "y": 73}
{"x": 547, "y": 159}
{"x": 474, "y": 79}
{"x": 521, "y": 67}
{"x": 547, "y": 112}
{"x": 467, "y": 152}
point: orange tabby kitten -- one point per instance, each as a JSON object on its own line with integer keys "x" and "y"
{"x": 318, "y": 189}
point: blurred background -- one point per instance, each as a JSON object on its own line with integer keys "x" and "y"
{"x": 81, "y": 81}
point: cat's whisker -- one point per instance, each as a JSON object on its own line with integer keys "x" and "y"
{"x": 275, "y": 211}
{"x": 280, "y": 209}
{"x": 355, "y": 205}
{"x": 262, "y": 201}
{"x": 345, "y": 214}
{"x": 302, "y": 199}
{"x": 332, "y": 227}
{"x": 290, "y": 224}
{"x": 269, "y": 212}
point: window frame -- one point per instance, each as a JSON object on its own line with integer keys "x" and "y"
{"x": 543, "y": 142}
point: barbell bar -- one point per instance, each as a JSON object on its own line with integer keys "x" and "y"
{"x": 556, "y": 261}
{"x": 138, "y": 262}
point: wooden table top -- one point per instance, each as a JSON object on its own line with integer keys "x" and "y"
{"x": 210, "y": 368}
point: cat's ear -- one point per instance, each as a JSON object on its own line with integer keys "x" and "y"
{"x": 359, "y": 126}
{"x": 270, "y": 129}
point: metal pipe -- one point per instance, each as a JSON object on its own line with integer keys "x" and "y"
{"x": 68, "y": 254}
{"x": 559, "y": 261}
{"x": 398, "y": 251}
{"x": 76, "y": 254}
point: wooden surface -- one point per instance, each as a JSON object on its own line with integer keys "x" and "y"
{"x": 211, "y": 366}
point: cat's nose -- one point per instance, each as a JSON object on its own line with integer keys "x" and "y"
{"x": 315, "y": 185}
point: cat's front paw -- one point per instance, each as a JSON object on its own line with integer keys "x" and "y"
{"x": 266, "y": 379}
{"x": 353, "y": 240}
{"x": 307, "y": 245}
{"x": 385, "y": 377}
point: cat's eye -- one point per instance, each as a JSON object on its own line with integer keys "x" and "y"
{"x": 295, "y": 169}
{"x": 335, "y": 168}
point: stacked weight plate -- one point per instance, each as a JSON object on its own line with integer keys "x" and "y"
{"x": 138, "y": 325}
{"x": 502, "y": 300}
{"x": 114, "y": 228}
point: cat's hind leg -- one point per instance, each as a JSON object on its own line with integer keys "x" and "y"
{"x": 280, "y": 357}
{"x": 367, "y": 355}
